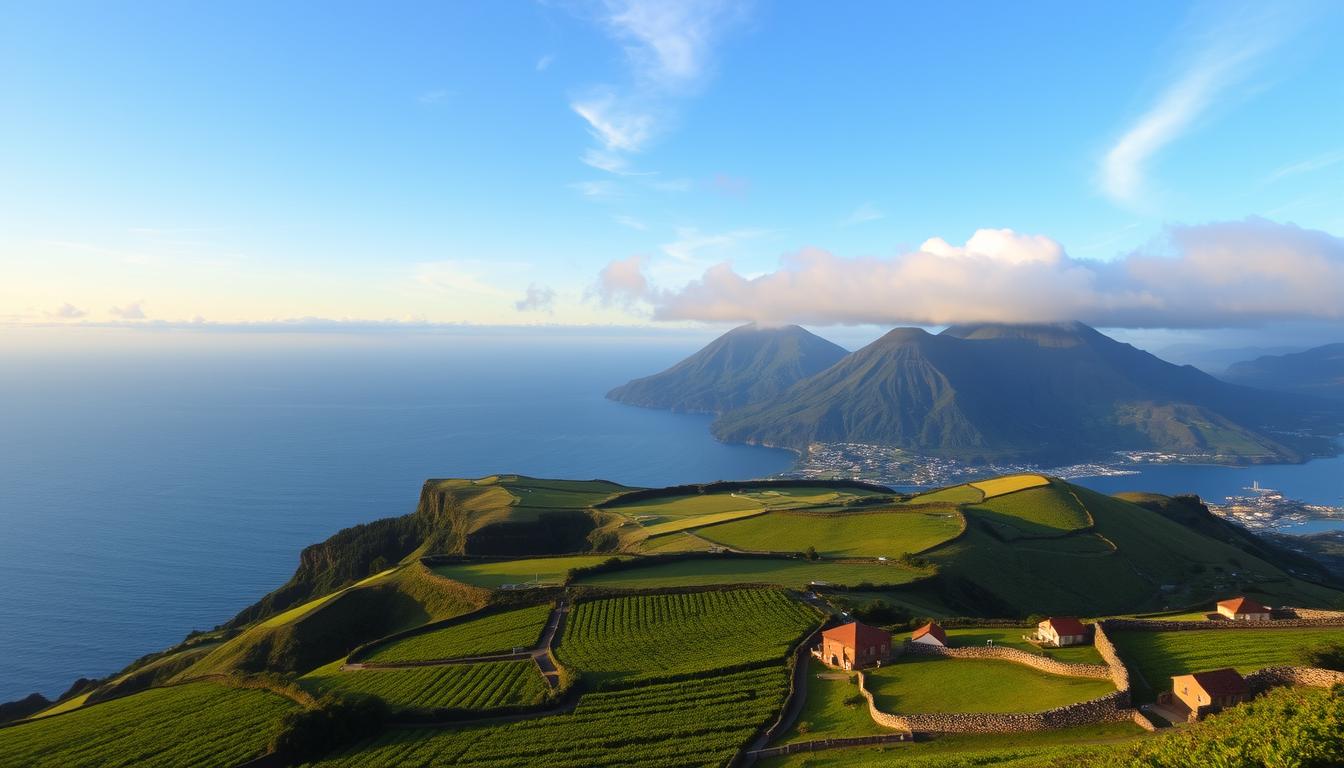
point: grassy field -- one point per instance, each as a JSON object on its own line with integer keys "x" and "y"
{"x": 546, "y": 570}
{"x": 465, "y": 686}
{"x": 686, "y": 523}
{"x": 1159, "y": 655}
{"x": 559, "y": 494}
{"x": 649, "y": 636}
{"x": 922, "y": 685}
{"x": 674, "y": 542}
{"x": 829, "y": 710}
{"x": 1011, "y": 637}
{"x": 651, "y": 511}
{"x": 1033, "y": 512}
{"x": 184, "y": 725}
{"x": 1007, "y": 750}
{"x": 998, "y": 486}
{"x": 957, "y": 494}
{"x": 497, "y": 633}
{"x": 865, "y": 534}
{"x": 732, "y": 570}
{"x": 702, "y": 723}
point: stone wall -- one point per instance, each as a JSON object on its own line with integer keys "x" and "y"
{"x": 1043, "y": 663}
{"x": 1310, "y": 676}
{"x": 1119, "y": 672}
{"x": 1318, "y": 615}
{"x": 1323, "y": 619}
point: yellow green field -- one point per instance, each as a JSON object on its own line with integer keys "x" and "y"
{"x": 849, "y": 534}
{"x": 998, "y": 486}
{"x": 494, "y": 573}
{"x": 686, "y": 523}
{"x": 957, "y": 494}
{"x": 795, "y": 573}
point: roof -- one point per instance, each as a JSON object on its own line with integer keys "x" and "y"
{"x": 1242, "y": 605}
{"x": 933, "y": 629}
{"x": 1219, "y": 682}
{"x": 855, "y": 635}
{"x": 1066, "y": 625}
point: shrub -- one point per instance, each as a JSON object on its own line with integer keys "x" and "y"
{"x": 336, "y": 721}
{"x": 1326, "y": 655}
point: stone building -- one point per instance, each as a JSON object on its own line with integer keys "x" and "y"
{"x": 1243, "y": 609}
{"x": 1060, "y": 631}
{"x": 1204, "y": 692}
{"x": 854, "y": 645}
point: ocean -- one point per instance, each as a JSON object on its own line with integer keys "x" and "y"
{"x": 154, "y": 487}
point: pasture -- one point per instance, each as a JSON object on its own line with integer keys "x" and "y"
{"x": 173, "y": 727}
{"x": 1033, "y": 512}
{"x": 464, "y": 686}
{"x": 998, "y": 486}
{"x": 785, "y": 572}
{"x": 494, "y": 573}
{"x": 919, "y": 685}
{"x": 1011, "y": 637}
{"x": 956, "y": 494}
{"x": 686, "y": 523}
{"x": 649, "y": 636}
{"x": 497, "y": 633}
{"x": 701, "y": 723}
{"x": 853, "y": 534}
{"x": 829, "y": 711}
{"x": 651, "y": 511}
{"x": 1157, "y": 656}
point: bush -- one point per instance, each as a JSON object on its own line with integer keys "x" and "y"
{"x": 336, "y": 721}
{"x": 1326, "y": 655}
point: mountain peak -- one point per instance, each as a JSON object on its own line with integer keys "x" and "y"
{"x": 1063, "y": 334}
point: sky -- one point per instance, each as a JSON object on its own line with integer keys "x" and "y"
{"x": 1155, "y": 166}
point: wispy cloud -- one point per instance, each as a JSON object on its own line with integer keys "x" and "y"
{"x": 430, "y": 98}
{"x": 538, "y": 298}
{"x": 133, "y": 311}
{"x": 864, "y": 213}
{"x": 631, "y": 222}
{"x": 544, "y": 63}
{"x": 463, "y": 276}
{"x": 67, "y": 311}
{"x": 1316, "y": 163}
{"x": 617, "y": 127}
{"x": 1219, "y": 56}
{"x": 596, "y": 189}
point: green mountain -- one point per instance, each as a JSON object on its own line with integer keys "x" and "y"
{"x": 1318, "y": 371}
{"x": 1050, "y": 393}
{"x": 745, "y": 365}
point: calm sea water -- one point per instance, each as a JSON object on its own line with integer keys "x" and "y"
{"x": 147, "y": 491}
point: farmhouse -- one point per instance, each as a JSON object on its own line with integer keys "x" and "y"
{"x": 854, "y": 645}
{"x": 1204, "y": 692}
{"x": 1243, "y": 609}
{"x": 930, "y": 634}
{"x": 1060, "y": 631}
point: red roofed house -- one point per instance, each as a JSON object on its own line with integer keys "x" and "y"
{"x": 1060, "y": 631}
{"x": 1205, "y": 692}
{"x": 1243, "y": 609}
{"x": 854, "y": 645}
{"x": 930, "y": 634}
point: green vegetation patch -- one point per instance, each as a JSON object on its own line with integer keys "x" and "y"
{"x": 497, "y": 633}
{"x": 922, "y": 685}
{"x": 703, "y": 723}
{"x": 998, "y": 486}
{"x": 649, "y": 636}
{"x": 686, "y": 523}
{"x": 789, "y": 572}
{"x": 1051, "y": 511}
{"x": 181, "y": 725}
{"x": 457, "y": 686}
{"x": 1157, "y": 656}
{"x": 854, "y": 534}
{"x": 833, "y": 708}
{"x": 957, "y": 494}
{"x": 651, "y": 511}
{"x": 1011, "y": 637}
{"x": 537, "y": 570}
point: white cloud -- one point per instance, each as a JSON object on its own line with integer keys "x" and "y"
{"x": 1316, "y": 163}
{"x": 596, "y": 189}
{"x": 617, "y": 127}
{"x": 1221, "y": 274}
{"x": 538, "y": 298}
{"x": 67, "y": 311}
{"x": 544, "y": 63}
{"x": 864, "y": 213}
{"x": 132, "y": 311}
{"x": 1221, "y": 57}
{"x": 622, "y": 282}
{"x": 630, "y": 221}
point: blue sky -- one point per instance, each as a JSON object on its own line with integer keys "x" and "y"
{"x": 590, "y": 163}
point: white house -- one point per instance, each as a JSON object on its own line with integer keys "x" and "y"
{"x": 1060, "y": 631}
{"x": 1243, "y": 609}
{"x": 930, "y": 634}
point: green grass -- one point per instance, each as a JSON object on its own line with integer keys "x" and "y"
{"x": 957, "y": 494}
{"x": 691, "y": 505}
{"x": 458, "y": 686}
{"x": 1046, "y": 511}
{"x": 826, "y": 712}
{"x": 854, "y": 534}
{"x": 701, "y": 723}
{"x": 649, "y": 636}
{"x": 560, "y": 494}
{"x": 686, "y": 523}
{"x": 740, "y": 570}
{"x": 1011, "y": 637}
{"x": 1157, "y": 656}
{"x": 922, "y": 685}
{"x": 998, "y": 486}
{"x": 547, "y": 570}
{"x": 675, "y": 542}
{"x": 198, "y": 724}
{"x": 497, "y": 633}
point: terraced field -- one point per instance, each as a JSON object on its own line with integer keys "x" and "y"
{"x": 852, "y": 534}
{"x": 497, "y": 633}
{"x": 464, "y": 686}
{"x": 649, "y": 636}
{"x": 183, "y": 726}
{"x": 492, "y": 574}
{"x": 793, "y": 572}
{"x": 923, "y": 685}
{"x": 1157, "y": 656}
{"x": 678, "y": 724}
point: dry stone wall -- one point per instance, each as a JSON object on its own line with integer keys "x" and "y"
{"x": 1119, "y": 672}
{"x": 1322, "y": 619}
{"x": 1310, "y": 676}
{"x": 1043, "y": 663}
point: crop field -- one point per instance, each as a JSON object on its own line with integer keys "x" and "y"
{"x": 998, "y": 486}
{"x": 1033, "y": 512}
{"x": 180, "y": 726}
{"x": 659, "y": 726}
{"x": 1011, "y": 637}
{"x": 465, "y": 686}
{"x": 686, "y": 523}
{"x": 497, "y": 633}
{"x": 854, "y": 534}
{"x": 957, "y": 494}
{"x": 829, "y": 710}
{"x": 922, "y": 685}
{"x": 674, "y": 542}
{"x": 1159, "y": 655}
{"x": 649, "y": 636}
{"x": 691, "y": 505}
{"x": 546, "y": 570}
{"x": 785, "y": 572}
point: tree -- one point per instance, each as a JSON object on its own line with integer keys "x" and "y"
{"x": 1326, "y": 655}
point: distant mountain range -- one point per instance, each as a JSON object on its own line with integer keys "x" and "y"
{"x": 1318, "y": 371}
{"x": 1048, "y": 393}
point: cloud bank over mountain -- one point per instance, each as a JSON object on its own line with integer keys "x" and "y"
{"x": 1233, "y": 273}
